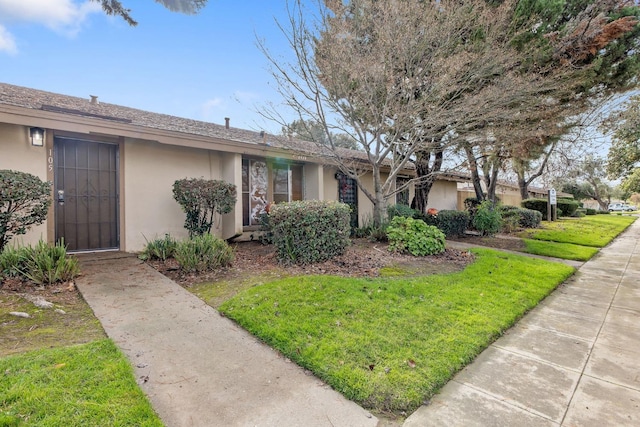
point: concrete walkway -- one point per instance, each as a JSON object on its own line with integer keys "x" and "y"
{"x": 197, "y": 367}
{"x": 572, "y": 361}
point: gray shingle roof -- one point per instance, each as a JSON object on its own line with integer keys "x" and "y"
{"x": 83, "y": 107}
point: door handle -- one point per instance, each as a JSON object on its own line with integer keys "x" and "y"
{"x": 61, "y": 197}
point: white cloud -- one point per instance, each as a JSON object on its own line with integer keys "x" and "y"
{"x": 7, "y": 43}
{"x": 64, "y": 16}
{"x": 211, "y": 105}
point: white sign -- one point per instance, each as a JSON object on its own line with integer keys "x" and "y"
{"x": 552, "y": 196}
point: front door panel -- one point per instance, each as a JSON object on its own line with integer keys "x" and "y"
{"x": 86, "y": 194}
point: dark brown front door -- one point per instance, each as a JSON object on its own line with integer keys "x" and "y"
{"x": 86, "y": 194}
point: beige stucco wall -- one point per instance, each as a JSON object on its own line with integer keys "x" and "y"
{"x": 17, "y": 153}
{"x": 314, "y": 182}
{"x": 443, "y": 195}
{"x": 150, "y": 169}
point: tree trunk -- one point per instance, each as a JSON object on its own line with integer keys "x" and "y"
{"x": 425, "y": 173}
{"x": 493, "y": 184}
{"x": 473, "y": 168}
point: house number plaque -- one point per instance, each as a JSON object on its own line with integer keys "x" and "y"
{"x": 50, "y": 160}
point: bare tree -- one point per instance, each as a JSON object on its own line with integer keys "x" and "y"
{"x": 401, "y": 77}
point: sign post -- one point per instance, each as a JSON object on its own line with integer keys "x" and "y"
{"x": 552, "y": 211}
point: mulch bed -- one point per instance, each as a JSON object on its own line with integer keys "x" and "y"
{"x": 362, "y": 259}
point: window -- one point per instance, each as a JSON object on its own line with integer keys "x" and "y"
{"x": 402, "y": 197}
{"x": 286, "y": 184}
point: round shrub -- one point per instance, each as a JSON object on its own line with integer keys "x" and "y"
{"x": 530, "y": 218}
{"x": 201, "y": 199}
{"x": 310, "y": 231}
{"x": 487, "y": 219}
{"x": 24, "y": 201}
{"x": 415, "y": 237}
{"x": 567, "y": 206}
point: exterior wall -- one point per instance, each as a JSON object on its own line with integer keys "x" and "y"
{"x": 17, "y": 153}
{"x": 329, "y": 183}
{"x": 314, "y": 188}
{"x": 231, "y": 168}
{"x": 508, "y": 196}
{"x": 150, "y": 169}
{"x": 443, "y": 195}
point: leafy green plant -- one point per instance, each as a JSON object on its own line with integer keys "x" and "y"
{"x": 47, "y": 264}
{"x": 487, "y": 219}
{"x": 13, "y": 261}
{"x": 415, "y": 237}
{"x": 310, "y": 231}
{"x": 43, "y": 263}
{"x": 202, "y": 199}
{"x": 159, "y": 249}
{"x": 375, "y": 233}
{"x": 203, "y": 253}
{"x": 24, "y": 201}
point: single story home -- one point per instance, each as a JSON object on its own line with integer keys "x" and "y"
{"x": 508, "y": 193}
{"x": 112, "y": 169}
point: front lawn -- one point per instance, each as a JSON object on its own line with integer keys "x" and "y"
{"x": 594, "y": 230}
{"x": 85, "y": 385}
{"x": 559, "y": 250}
{"x": 391, "y": 343}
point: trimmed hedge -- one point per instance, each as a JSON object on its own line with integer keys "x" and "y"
{"x": 452, "y": 223}
{"x": 520, "y": 217}
{"x": 310, "y": 231}
{"x": 566, "y": 207}
{"x": 403, "y": 211}
{"x": 591, "y": 211}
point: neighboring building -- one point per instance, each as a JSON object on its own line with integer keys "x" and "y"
{"x": 509, "y": 194}
{"x": 113, "y": 168}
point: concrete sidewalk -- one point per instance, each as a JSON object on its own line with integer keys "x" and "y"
{"x": 197, "y": 367}
{"x": 572, "y": 361}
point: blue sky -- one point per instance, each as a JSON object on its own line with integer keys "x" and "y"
{"x": 204, "y": 66}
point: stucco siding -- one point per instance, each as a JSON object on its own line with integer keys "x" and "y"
{"x": 443, "y": 195}
{"x": 17, "y": 153}
{"x": 150, "y": 169}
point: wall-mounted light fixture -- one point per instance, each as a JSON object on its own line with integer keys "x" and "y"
{"x": 37, "y": 136}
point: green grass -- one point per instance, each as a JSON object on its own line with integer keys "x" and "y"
{"x": 85, "y": 385}
{"x": 391, "y": 343}
{"x": 594, "y": 230}
{"x": 560, "y": 250}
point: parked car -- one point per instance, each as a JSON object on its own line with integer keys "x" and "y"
{"x": 621, "y": 207}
